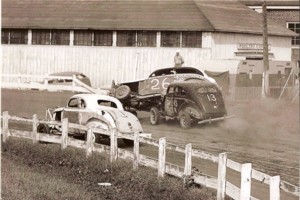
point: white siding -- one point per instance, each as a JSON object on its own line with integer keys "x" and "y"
{"x": 101, "y": 64}
{"x": 224, "y": 45}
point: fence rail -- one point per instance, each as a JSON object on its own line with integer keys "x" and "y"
{"x": 219, "y": 183}
{"x": 41, "y": 82}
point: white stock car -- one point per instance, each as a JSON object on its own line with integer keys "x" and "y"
{"x": 93, "y": 110}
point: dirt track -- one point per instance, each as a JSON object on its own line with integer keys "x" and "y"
{"x": 265, "y": 133}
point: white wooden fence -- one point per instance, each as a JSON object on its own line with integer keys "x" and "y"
{"x": 222, "y": 186}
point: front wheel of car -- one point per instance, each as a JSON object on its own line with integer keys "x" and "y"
{"x": 154, "y": 116}
{"x": 185, "y": 120}
{"x": 122, "y": 92}
{"x": 43, "y": 128}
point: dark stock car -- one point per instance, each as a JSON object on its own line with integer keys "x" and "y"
{"x": 144, "y": 94}
{"x": 190, "y": 101}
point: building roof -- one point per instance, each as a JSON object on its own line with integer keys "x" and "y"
{"x": 271, "y": 2}
{"x": 181, "y": 15}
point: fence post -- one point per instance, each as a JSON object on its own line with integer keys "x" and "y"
{"x": 188, "y": 160}
{"x": 222, "y": 176}
{"x": 246, "y": 181}
{"x": 113, "y": 145}
{"x": 64, "y": 134}
{"x": 89, "y": 142}
{"x": 34, "y": 135}
{"x": 5, "y": 131}
{"x": 275, "y": 188}
{"x": 136, "y": 150}
{"x": 162, "y": 157}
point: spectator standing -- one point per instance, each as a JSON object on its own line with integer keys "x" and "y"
{"x": 178, "y": 60}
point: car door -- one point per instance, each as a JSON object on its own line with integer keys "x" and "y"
{"x": 157, "y": 83}
{"x": 169, "y": 103}
{"x": 179, "y": 99}
{"x": 73, "y": 110}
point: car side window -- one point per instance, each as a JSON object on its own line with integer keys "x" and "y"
{"x": 107, "y": 103}
{"x": 73, "y": 103}
{"x": 171, "y": 90}
{"x": 180, "y": 92}
{"x": 82, "y": 104}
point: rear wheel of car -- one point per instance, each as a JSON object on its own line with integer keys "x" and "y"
{"x": 43, "y": 128}
{"x": 185, "y": 120}
{"x": 154, "y": 116}
{"x": 122, "y": 92}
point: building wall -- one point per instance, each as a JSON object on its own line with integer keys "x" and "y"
{"x": 224, "y": 45}
{"x": 101, "y": 64}
{"x": 104, "y": 64}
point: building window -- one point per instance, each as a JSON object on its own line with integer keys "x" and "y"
{"x": 40, "y": 36}
{"x": 126, "y": 38}
{"x": 60, "y": 37}
{"x": 170, "y": 39}
{"x": 146, "y": 38}
{"x": 18, "y": 36}
{"x": 191, "y": 39}
{"x": 4, "y": 36}
{"x": 103, "y": 38}
{"x": 295, "y": 26}
{"x": 83, "y": 38}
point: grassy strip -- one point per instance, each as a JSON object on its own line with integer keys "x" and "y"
{"x": 44, "y": 171}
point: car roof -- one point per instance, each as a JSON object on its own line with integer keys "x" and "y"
{"x": 181, "y": 70}
{"x": 67, "y": 73}
{"x": 95, "y": 97}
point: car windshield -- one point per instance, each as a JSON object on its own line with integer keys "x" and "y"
{"x": 209, "y": 89}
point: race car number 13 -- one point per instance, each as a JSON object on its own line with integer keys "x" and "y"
{"x": 211, "y": 97}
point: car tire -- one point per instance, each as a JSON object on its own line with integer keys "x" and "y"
{"x": 43, "y": 128}
{"x": 154, "y": 116}
{"x": 122, "y": 92}
{"x": 185, "y": 120}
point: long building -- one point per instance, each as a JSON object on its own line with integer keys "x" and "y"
{"x": 124, "y": 40}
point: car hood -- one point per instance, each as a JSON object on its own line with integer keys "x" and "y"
{"x": 125, "y": 121}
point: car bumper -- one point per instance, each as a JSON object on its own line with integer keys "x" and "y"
{"x": 211, "y": 120}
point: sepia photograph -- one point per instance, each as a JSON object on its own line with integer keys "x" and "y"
{"x": 150, "y": 100}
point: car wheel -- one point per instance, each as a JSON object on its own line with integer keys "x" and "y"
{"x": 185, "y": 120}
{"x": 43, "y": 128}
{"x": 154, "y": 116}
{"x": 122, "y": 92}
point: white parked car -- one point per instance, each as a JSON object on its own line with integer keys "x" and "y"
{"x": 93, "y": 110}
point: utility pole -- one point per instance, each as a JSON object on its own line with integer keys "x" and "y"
{"x": 265, "y": 76}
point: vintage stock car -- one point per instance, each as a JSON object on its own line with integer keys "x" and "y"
{"x": 144, "y": 94}
{"x": 191, "y": 101}
{"x": 99, "y": 111}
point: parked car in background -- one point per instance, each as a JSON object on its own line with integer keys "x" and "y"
{"x": 80, "y": 76}
{"x": 93, "y": 110}
{"x": 190, "y": 101}
{"x": 143, "y": 94}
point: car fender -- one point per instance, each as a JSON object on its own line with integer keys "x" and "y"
{"x": 191, "y": 108}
